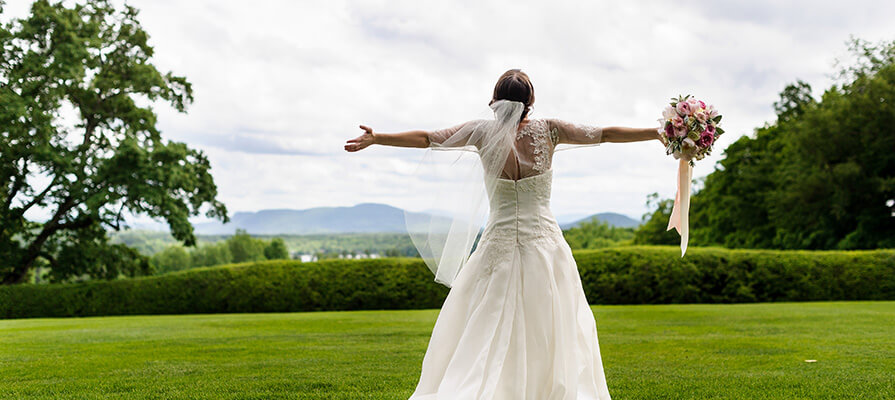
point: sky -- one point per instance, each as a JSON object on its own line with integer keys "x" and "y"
{"x": 280, "y": 86}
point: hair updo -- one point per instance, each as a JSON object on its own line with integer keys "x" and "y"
{"x": 514, "y": 85}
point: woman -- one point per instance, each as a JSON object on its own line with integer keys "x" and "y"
{"x": 516, "y": 324}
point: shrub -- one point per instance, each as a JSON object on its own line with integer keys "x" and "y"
{"x": 620, "y": 275}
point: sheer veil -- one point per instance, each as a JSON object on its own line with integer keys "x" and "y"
{"x": 466, "y": 167}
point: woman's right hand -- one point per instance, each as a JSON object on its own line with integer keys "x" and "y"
{"x": 361, "y": 142}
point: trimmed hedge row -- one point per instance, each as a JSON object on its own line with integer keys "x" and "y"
{"x": 658, "y": 275}
{"x": 621, "y": 275}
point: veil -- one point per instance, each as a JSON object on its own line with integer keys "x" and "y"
{"x": 466, "y": 166}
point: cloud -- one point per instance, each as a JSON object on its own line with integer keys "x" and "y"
{"x": 280, "y": 85}
{"x": 253, "y": 142}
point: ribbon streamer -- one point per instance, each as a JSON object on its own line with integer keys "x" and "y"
{"x": 681, "y": 209}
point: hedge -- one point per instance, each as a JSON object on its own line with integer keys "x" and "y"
{"x": 620, "y": 275}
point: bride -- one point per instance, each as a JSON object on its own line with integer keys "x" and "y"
{"x": 516, "y": 324}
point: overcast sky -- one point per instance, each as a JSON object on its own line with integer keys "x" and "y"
{"x": 280, "y": 85}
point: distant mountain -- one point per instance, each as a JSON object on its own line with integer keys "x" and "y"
{"x": 362, "y": 218}
{"x": 564, "y": 219}
{"x": 614, "y": 219}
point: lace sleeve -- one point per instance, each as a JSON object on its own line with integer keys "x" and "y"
{"x": 455, "y": 136}
{"x": 440, "y": 135}
{"x": 570, "y": 133}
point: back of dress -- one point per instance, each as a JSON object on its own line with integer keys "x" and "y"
{"x": 516, "y": 324}
{"x": 506, "y": 148}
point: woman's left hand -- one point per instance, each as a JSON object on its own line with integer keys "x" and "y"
{"x": 361, "y": 142}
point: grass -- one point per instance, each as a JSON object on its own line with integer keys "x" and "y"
{"x": 742, "y": 351}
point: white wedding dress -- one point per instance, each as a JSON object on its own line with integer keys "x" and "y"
{"x": 516, "y": 324}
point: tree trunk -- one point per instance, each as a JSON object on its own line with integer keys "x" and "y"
{"x": 17, "y": 275}
{"x": 26, "y": 262}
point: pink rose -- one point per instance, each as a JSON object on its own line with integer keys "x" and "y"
{"x": 669, "y": 130}
{"x": 710, "y": 129}
{"x": 680, "y": 132}
{"x": 705, "y": 140}
{"x": 694, "y": 106}
{"x": 701, "y": 103}
{"x": 683, "y": 108}
{"x": 677, "y": 121}
{"x": 701, "y": 116}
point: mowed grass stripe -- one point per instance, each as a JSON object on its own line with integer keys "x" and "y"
{"x": 740, "y": 351}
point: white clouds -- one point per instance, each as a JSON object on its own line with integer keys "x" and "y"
{"x": 280, "y": 85}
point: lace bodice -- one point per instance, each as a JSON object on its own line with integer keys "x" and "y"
{"x": 535, "y": 143}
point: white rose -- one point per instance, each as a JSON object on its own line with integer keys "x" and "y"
{"x": 668, "y": 113}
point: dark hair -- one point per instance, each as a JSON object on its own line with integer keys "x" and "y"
{"x": 514, "y": 85}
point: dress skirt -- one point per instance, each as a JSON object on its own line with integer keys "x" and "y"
{"x": 515, "y": 326}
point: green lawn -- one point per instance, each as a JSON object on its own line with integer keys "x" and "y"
{"x": 745, "y": 351}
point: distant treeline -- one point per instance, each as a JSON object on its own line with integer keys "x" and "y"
{"x": 596, "y": 234}
{"x": 320, "y": 245}
{"x": 592, "y": 234}
{"x": 237, "y": 248}
{"x": 166, "y": 254}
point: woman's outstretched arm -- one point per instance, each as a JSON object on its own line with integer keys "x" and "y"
{"x": 402, "y": 139}
{"x": 572, "y": 133}
{"x": 619, "y": 134}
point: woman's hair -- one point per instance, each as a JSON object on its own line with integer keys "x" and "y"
{"x": 514, "y": 85}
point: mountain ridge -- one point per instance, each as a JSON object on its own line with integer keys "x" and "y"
{"x": 614, "y": 219}
{"x": 359, "y": 218}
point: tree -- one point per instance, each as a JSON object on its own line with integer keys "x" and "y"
{"x": 245, "y": 248}
{"x": 821, "y": 177}
{"x": 731, "y": 209}
{"x": 836, "y": 185}
{"x": 174, "y": 258}
{"x": 794, "y": 100}
{"x": 211, "y": 254}
{"x": 654, "y": 230}
{"x": 276, "y": 250}
{"x": 388, "y": 253}
{"x": 595, "y": 234}
{"x": 89, "y": 64}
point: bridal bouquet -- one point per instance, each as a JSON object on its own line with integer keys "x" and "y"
{"x": 689, "y": 129}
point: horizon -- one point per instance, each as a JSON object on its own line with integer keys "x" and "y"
{"x": 161, "y": 226}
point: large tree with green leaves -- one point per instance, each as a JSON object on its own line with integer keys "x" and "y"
{"x": 836, "y": 187}
{"x": 78, "y": 139}
{"x": 654, "y": 230}
{"x": 822, "y": 176}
